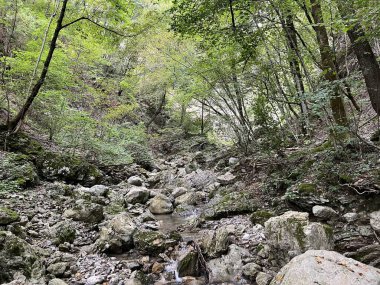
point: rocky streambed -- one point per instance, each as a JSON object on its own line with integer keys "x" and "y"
{"x": 180, "y": 225}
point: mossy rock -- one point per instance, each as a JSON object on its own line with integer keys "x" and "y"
{"x": 64, "y": 232}
{"x": 8, "y": 216}
{"x": 260, "y": 217}
{"x": 152, "y": 242}
{"x": 307, "y": 188}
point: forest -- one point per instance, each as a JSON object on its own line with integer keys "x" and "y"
{"x": 190, "y": 142}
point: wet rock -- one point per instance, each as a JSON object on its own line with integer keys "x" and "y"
{"x": 324, "y": 212}
{"x": 326, "y": 267}
{"x": 161, "y": 204}
{"x": 228, "y": 268}
{"x": 188, "y": 264}
{"x": 214, "y": 243}
{"x": 263, "y": 278}
{"x": 226, "y": 179}
{"x": 57, "y": 269}
{"x": 292, "y": 234}
{"x": 250, "y": 270}
{"x": 375, "y": 220}
{"x": 85, "y": 212}
{"x": 135, "y": 181}
{"x": 152, "y": 242}
{"x": 57, "y": 281}
{"x": 137, "y": 195}
{"x": 116, "y": 235}
{"x": 8, "y": 216}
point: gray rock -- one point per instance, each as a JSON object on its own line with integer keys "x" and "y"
{"x": 226, "y": 179}
{"x": 188, "y": 264}
{"x": 179, "y": 191}
{"x": 263, "y": 278}
{"x": 351, "y": 217}
{"x": 324, "y": 212}
{"x": 85, "y": 212}
{"x": 94, "y": 280}
{"x": 214, "y": 243}
{"x": 57, "y": 281}
{"x": 8, "y": 216}
{"x": 326, "y": 267}
{"x": 57, "y": 269}
{"x": 99, "y": 190}
{"x": 137, "y": 195}
{"x": 135, "y": 181}
{"x": 250, "y": 270}
{"x": 232, "y": 161}
{"x": 228, "y": 268}
{"x": 161, "y": 204}
{"x": 186, "y": 199}
{"x": 375, "y": 220}
{"x": 63, "y": 232}
{"x": 153, "y": 242}
{"x": 116, "y": 235}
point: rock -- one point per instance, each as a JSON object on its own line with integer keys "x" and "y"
{"x": 260, "y": 217}
{"x": 250, "y": 270}
{"x": 214, "y": 243}
{"x": 188, "y": 264}
{"x": 292, "y": 234}
{"x": 232, "y": 161}
{"x": 186, "y": 199}
{"x": 85, "y": 212}
{"x": 63, "y": 232}
{"x": 305, "y": 196}
{"x": 99, "y": 190}
{"x": 8, "y": 216}
{"x": 133, "y": 281}
{"x": 158, "y": 268}
{"x": 263, "y": 278}
{"x": 228, "y": 268}
{"x": 326, "y": 267}
{"x": 179, "y": 191}
{"x": 351, "y": 217}
{"x": 226, "y": 179}
{"x": 137, "y": 195}
{"x": 18, "y": 257}
{"x": 94, "y": 280}
{"x": 116, "y": 236}
{"x": 152, "y": 242}
{"x": 375, "y": 221}
{"x": 135, "y": 181}
{"x": 57, "y": 269}
{"x": 161, "y": 204}
{"x": 233, "y": 203}
{"x": 324, "y": 212}
{"x": 57, "y": 281}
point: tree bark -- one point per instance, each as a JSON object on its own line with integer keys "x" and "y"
{"x": 366, "y": 58}
{"x": 327, "y": 63}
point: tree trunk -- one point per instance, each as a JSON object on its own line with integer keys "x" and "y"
{"x": 367, "y": 60}
{"x": 15, "y": 123}
{"x": 327, "y": 63}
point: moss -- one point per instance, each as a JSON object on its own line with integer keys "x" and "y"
{"x": 307, "y": 188}
{"x": 325, "y": 146}
{"x": 260, "y": 217}
{"x": 329, "y": 231}
{"x": 300, "y": 235}
{"x": 12, "y": 214}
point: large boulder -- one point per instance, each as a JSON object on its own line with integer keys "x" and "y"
{"x": 116, "y": 235}
{"x": 324, "y": 212}
{"x": 189, "y": 198}
{"x": 135, "y": 181}
{"x": 85, "y": 212}
{"x": 137, "y": 195}
{"x": 305, "y": 196}
{"x": 188, "y": 264}
{"x": 327, "y": 268}
{"x": 160, "y": 205}
{"x": 8, "y": 216}
{"x": 152, "y": 242}
{"x": 214, "y": 242}
{"x": 293, "y": 234}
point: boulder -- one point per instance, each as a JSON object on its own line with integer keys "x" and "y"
{"x": 305, "y": 196}
{"x": 226, "y": 179}
{"x": 214, "y": 243}
{"x": 99, "y": 190}
{"x": 250, "y": 270}
{"x": 228, "y": 268}
{"x": 96, "y": 279}
{"x": 375, "y": 220}
{"x": 57, "y": 281}
{"x": 179, "y": 191}
{"x": 161, "y": 204}
{"x": 350, "y": 217}
{"x": 135, "y": 181}
{"x": 63, "y": 232}
{"x": 8, "y": 216}
{"x": 152, "y": 242}
{"x": 232, "y": 161}
{"x": 116, "y": 235}
{"x": 186, "y": 199}
{"x": 188, "y": 264}
{"x": 57, "y": 269}
{"x": 85, "y": 212}
{"x": 263, "y": 278}
{"x": 324, "y": 212}
{"x": 137, "y": 195}
{"x": 328, "y": 268}
{"x": 292, "y": 234}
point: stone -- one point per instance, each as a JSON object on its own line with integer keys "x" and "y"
{"x": 263, "y": 278}
{"x": 116, "y": 236}
{"x": 57, "y": 269}
{"x": 57, "y": 281}
{"x": 350, "y": 217}
{"x": 135, "y": 181}
{"x": 8, "y": 216}
{"x": 186, "y": 199}
{"x": 188, "y": 264}
{"x": 324, "y": 212}
{"x": 228, "y": 268}
{"x": 292, "y": 234}
{"x": 226, "y": 179}
{"x": 94, "y": 280}
{"x": 326, "y": 267}
{"x": 85, "y": 212}
{"x": 137, "y": 195}
{"x": 375, "y": 221}
{"x": 250, "y": 270}
{"x": 63, "y": 232}
{"x": 214, "y": 243}
{"x": 232, "y": 161}
{"x": 153, "y": 242}
{"x": 158, "y": 268}
{"x": 179, "y": 191}
{"x": 160, "y": 205}
{"x": 260, "y": 217}
{"x": 305, "y": 196}
{"x": 99, "y": 190}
